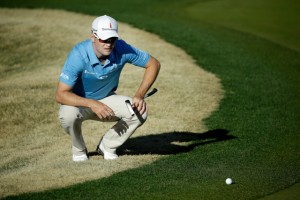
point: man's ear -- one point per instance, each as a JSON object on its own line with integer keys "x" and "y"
{"x": 92, "y": 37}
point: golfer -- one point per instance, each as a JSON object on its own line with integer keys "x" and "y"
{"x": 88, "y": 83}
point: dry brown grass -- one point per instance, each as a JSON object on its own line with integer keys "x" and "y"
{"x": 35, "y": 152}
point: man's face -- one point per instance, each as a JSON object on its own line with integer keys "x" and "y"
{"x": 103, "y": 48}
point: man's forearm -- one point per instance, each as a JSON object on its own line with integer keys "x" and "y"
{"x": 69, "y": 98}
{"x": 149, "y": 78}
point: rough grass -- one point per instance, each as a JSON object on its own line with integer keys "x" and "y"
{"x": 35, "y": 152}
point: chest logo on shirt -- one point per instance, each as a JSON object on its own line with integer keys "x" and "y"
{"x": 88, "y": 72}
{"x": 101, "y": 73}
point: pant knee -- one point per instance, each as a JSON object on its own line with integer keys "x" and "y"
{"x": 68, "y": 116}
{"x": 140, "y": 119}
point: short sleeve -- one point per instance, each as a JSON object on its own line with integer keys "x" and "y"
{"x": 134, "y": 55}
{"x": 72, "y": 68}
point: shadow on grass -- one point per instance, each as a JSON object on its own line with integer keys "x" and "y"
{"x": 171, "y": 142}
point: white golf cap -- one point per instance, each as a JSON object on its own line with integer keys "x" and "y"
{"x": 105, "y": 27}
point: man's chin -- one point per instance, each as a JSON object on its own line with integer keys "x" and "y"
{"x": 106, "y": 52}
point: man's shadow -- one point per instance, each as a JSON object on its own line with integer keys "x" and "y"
{"x": 172, "y": 142}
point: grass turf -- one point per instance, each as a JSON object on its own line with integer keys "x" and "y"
{"x": 271, "y": 19}
{"x": 261, "y": 107}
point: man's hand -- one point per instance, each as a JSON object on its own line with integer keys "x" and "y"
{"x": 139, "y": 104}
{"x": 66, "y": 97}
{"x": 102, "y": 111}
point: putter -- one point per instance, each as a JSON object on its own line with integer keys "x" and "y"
{"x": 129, "y": 106}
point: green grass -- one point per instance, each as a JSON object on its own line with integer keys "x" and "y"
{"x": 261, "y": 106}
{"x": 272, "y": 19}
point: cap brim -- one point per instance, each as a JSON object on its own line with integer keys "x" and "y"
{"x": 109, "y": 35}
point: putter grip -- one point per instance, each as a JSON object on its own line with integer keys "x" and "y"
{"x": 151, "y": 93}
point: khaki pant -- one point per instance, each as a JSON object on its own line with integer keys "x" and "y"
{"x": 71, "y": 119}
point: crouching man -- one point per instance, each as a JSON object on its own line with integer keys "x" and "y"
{"x": 88, "y": 83}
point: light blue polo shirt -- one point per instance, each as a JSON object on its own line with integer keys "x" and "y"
{"x": 89, "y": 78}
